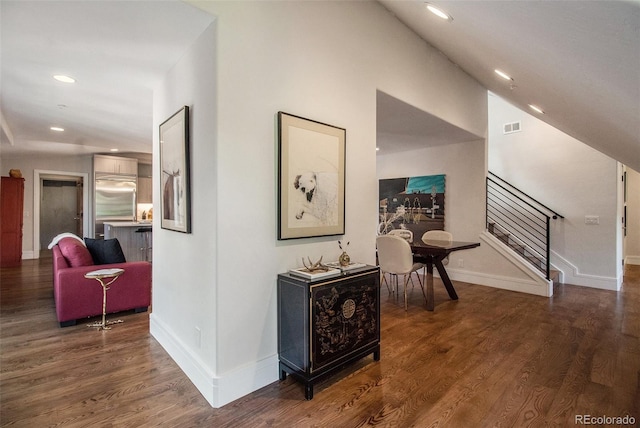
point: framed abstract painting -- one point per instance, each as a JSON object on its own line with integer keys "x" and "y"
{"x": 413, "y": 203}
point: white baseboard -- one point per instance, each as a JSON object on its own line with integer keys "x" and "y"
{"x": 28, "y": 255}
{"x": 536, "y": 283}
{"x": 574, "y": 277}
{"x": 245, "y": 380}
{"x": 217, "y": 390}
{"x": 632, "y": 260}
{"x": 537, "y": 288}
{"x": 196, "y": 370}
{"x": 569, "y": 272}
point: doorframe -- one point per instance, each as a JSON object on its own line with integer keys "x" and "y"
{"x": 37, "y": 185}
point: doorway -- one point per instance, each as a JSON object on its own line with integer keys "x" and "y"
{"x": 61, "y": 207}
{"x": 60, "y": 204}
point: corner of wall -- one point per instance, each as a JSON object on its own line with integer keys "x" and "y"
{"x": 245, "y": 380}
{"x": 189, "y": 363}
{"x": 217, "y": 390}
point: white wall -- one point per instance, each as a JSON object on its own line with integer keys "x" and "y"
{"x": 320, "y": 60}
{"x": 184, "y": 265}
{"x": 27, "y": 165}
{"x": 569, "y": 177}
{"x": 464, "y": 165}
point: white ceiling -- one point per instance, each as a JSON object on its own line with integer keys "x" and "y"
{"x": 116, "y": 50}
{"x": 578, "y": 60}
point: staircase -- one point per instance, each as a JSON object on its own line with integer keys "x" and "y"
{"x": 524, "y": 252}
{"x": 521, "y": 223}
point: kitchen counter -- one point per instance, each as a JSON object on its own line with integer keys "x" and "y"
{"x": 135, "y": 245}
{"x": 129, "y": 223}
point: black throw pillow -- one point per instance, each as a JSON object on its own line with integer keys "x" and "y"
{"x": 105, "y": 251}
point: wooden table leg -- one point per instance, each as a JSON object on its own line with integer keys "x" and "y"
{"x": 430, "y": 299}
{"x": 446, "y": 280}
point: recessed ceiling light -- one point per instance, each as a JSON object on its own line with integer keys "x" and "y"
{"x": 503, "y": 74}
{"x": 114, "y": 150}
{"x": 64, "y": 79}
{"x": 438, "y": 12}
{"x": 536, "y": 109}
{"x": 56, "y": 128}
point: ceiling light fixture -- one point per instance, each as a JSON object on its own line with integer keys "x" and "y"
{"x": 114, "y": 150}
{"x": 57, "y": 129}
{"x": 439, "y": 12}
{"x": 64, "y": 79}
{"x": 502, "y": 74}
{"x": 536, "y": 109}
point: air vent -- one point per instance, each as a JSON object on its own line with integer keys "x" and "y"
{"x": 510, "y": 128}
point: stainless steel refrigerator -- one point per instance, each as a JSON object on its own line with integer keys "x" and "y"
{"x": 115, "y": 198}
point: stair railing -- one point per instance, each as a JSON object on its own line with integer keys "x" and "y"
{"x": 520, "y": 221}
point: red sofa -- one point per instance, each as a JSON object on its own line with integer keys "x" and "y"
{"x": 77, "y": 297}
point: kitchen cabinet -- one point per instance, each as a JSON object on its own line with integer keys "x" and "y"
{"x": 326, "y": 324}
{"x": 11, "y": 207}
{"x": 115, "y": 165}
{"x": 134, "y": 238}
{"x": 145, "y": 191}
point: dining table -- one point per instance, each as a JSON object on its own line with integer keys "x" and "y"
{"x": 433, "y": 253}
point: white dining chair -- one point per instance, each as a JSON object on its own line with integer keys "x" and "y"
{"x": 405, "y": 234}
{"x": 395, "y": 258}
{"x": 438, "y": 235}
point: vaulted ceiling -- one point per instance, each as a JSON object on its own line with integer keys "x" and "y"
{"x": 577, "y": 60}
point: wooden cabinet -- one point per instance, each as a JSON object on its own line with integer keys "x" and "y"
{"x": 115, "y": 165}
{"x": 325, "y": 324}
{"x": 145, "y": 183}
{"x": 145, "y": 190}
{"x": 11, "y": 207}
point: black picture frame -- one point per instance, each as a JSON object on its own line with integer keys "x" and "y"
{"x": 311, "y": 178}
{"x": 175, "y": 183}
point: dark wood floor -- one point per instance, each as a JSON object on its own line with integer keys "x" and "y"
{"x": 493, "y": 358}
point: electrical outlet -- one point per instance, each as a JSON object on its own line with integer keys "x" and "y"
{"x": 591, "y": 219}
{"x": 461, "y": 263}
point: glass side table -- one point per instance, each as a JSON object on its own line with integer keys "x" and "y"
{"x": 103, "y": 275}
